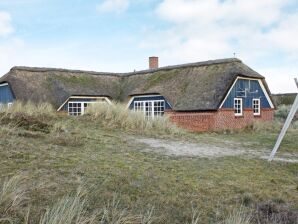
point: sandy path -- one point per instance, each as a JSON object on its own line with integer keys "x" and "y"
{"x": 180, "y": 148}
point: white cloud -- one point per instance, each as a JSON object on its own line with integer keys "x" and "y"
{"x": 257, "y": 31}
{"x": 113, "y": 5}
{"x": 280, "y": 79}
{"x": 263, "y": 12}
{"x": 5, "y": 24}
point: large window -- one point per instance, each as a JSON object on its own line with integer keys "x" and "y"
{"x": 256, "y": 106}
{"x": 150, "y": 108}
{"x": 238, "y": 107}
{"x": 78, "y": 108}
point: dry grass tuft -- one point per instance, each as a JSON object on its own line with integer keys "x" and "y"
{"x": 117, "y": 116}
{"x": 27, "y": 115}
{"x": 238, "y": 216}
{"x": 114, "y": 213}
{"x": 68, "y": 210}
{"x": 12, "y": 196}
{"x": 30, "y": 109}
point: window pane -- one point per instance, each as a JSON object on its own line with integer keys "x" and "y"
{"x": 74, "y": 108}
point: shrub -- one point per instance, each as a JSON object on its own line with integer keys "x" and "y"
{"x": 274, "y": 212}
{"x": 266, "y": 126}
{"x": 118, "y": 116}
{"x": 282, "y": 112}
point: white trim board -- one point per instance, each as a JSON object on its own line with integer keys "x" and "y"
{"x": 143, "y": 96}
{"x": 261, "y": 85}
{"x": 4, "y": 84}
{"x": 84, "y": 97}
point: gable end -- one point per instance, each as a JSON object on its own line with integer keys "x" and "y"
{"x": 247, "y": 89}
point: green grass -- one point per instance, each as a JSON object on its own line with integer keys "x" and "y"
{"x": 259, "y": 138}
{"x": 118, "y": 175}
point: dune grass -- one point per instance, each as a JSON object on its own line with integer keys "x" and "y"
{"x": 54, "y": 160}
{"x": 30, "y": 109}
{"x": 118, "y": 116}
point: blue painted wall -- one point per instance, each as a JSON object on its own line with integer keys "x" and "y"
{"x": 253, "y": 91}
{"x": 6, "y": 95}
{"x": 144, "y": 98}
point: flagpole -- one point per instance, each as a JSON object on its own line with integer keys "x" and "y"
{"x": 290, "y": 117}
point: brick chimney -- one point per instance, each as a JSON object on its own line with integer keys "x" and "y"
{"x": 153, "y": 62}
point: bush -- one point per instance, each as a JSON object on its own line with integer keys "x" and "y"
{"x": 274, "y": 212}
{"x": 118, "y": 116}
{"x": 283, "y": 111}
{"x": 266, "y": 126}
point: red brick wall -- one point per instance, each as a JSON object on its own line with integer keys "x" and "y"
{"x": 222, "y": 119}
{"x": 194, "y": 121}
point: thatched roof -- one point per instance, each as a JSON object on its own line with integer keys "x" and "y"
{"x": 187, "y": 87}
{"x": 57, "y": 85}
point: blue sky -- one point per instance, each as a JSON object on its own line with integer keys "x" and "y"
{"x": 120, "y": 35}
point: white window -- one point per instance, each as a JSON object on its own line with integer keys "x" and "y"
{"x": 78, "y": 108}
{"x": 256, "y": 106}
{"x": 9, "y": 105}
{"x": 159, "y": 108}
{"x": 152, "y": 108}
{"x": 139, "y": 106}
{"x": 74, "y": 108}
{"x": 238, "y": 107}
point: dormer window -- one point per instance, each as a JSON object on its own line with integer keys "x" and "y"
{"x": 152, "y": 108}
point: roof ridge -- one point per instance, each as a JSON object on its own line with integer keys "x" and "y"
{"x": 170, "y": 67}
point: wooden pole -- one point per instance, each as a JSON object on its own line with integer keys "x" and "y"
{"x": 286, "y": 126}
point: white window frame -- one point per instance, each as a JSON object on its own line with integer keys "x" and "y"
{"x": 236, "y": 100}
{"x": 82, "y": 107}
{"x": 258, "y": 108}
{"x": 150, "y": 111}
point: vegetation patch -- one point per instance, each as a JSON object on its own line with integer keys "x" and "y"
{"x": 160, "y": 77}
{"x": 28, "y": 116}
{"x": 117, "y": 116}
{"x": 89, "y": 169}
{"x": 82, "y": 80}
